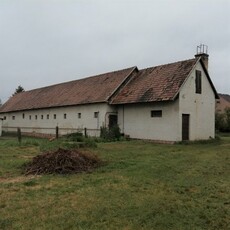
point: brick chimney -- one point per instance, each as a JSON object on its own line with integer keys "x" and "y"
{"x": 202, "y": 51}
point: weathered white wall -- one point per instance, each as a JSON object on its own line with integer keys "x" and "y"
{"x": 135, "y": 120}
{"x": 72, "y": 121}
{"x": 0, "y": 127}
{"x": 201, "y": 107}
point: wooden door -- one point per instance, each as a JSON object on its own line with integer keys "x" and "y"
{"x": 112, "y": 120}
{"x": 185, "y": 127}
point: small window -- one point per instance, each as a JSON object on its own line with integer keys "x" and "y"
{"x": 4, "y": 117}
{"x": 13, "y": 117}
{"x": 96, "y": 114}
{"x": 79, "y": 115}
{"x": 30, "y": 117}
{"x": 55, "y": 116}
{"x": 65, "y": 116}
{"x": 47, "y": 116}
{"x": 36, "y": 117}
{"x": 23, "y": 116}
{"x": 198, "y": 81}
{"x": 41, "y": 116}
{"x": 156, "y": 113}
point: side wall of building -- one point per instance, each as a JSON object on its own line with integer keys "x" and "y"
{"x": 136, "y": 120}
{"x": 200, "y": 107}
{"x": 68, "y": 119}
{"x": 1, "y": 127}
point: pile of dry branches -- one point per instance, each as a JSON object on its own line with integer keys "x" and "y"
{"x": 62, "y": 161}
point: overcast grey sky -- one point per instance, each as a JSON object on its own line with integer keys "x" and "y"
{"x": 44, "y": 42}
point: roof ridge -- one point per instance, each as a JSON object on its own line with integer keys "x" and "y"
{"x": 93, "y": 89}
{"x": 80, "y": 79}
{"x": 170, "y": 63}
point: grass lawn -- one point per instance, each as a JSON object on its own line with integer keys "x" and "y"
{"x": 142, "y": 186}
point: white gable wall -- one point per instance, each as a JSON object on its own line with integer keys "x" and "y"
{"x": 200, "y": 107}
{"x": 135, "y": 120}
{"x": 47, "y": 125}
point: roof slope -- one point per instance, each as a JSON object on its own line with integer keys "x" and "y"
{"x": 158, "y": 83}
{"x": 88, "y": 90}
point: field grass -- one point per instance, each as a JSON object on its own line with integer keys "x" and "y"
{"x": 142, "y": 186}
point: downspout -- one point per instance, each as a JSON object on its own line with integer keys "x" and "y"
{"x": 123, "y": 118}
{"x": 98, "y": 114}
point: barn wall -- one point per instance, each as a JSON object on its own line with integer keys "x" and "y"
{"x": 71, "y": 123}
{"x": 201, "y": 107}
{"x": 0, "y": 127}
{"x": 135, "y": 120}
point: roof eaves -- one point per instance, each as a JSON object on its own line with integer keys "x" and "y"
{"x": 209, "y": 79}
{"x": 48, "y": 107}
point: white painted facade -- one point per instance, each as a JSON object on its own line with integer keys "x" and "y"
{"x": 200, "y": 107}
{"x": 68, "y": 119}
{"x": 135, "y": 119}
{"x": 1, "y": 127}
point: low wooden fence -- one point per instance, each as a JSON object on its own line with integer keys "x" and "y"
{"x": 51, "y": 131}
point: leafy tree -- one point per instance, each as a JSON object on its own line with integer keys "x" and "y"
{"x": 18, "y": 90}
{"x": 227, "y": 119}
{"x": 222, "y": 121}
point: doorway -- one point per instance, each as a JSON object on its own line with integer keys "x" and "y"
{"x": 185, "y": 127}
{"x": 112, "y": 120}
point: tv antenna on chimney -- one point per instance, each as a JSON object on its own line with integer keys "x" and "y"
{"x": 201, "y": 49}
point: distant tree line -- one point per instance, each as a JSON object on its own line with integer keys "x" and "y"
{"x": 222, "y": 121}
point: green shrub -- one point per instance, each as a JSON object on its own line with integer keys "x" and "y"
{"x": 90, "y": 142}
{"x": 222, "y": 121}
{"x": 78, "y": 136}
{"x": 112, "y": 134}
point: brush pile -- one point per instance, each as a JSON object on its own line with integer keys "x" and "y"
{"x": 62, "y": 161}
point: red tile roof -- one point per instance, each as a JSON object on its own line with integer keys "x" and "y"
{"x": 160, "y": 83}
{"x": 84, "y": 91}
